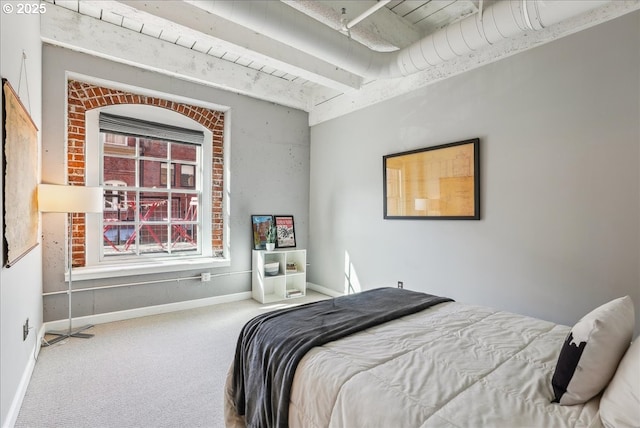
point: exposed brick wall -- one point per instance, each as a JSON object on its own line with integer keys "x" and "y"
{"x": 84, "y": 96}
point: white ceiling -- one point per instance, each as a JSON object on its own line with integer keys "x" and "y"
{"x": 201, "y": 42}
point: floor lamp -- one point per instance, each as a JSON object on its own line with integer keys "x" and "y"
{"x": 54, "y": 198}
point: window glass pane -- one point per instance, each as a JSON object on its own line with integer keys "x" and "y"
{"x": 121, "y": 170}
{"x": 152, "y": 212}
{"x": 184, "y": 226}
{"x": 155, "y": 174}
{"x": 116, "y": 203}
{"x": 119, "y": 145}
{"x": 167, "y": 175}
{"x": 154, "y": 207}
{"x": 187, "y": 176}
{"x": 184, "y": 237}
{"x": 153, "y": 148}
{"x": 153, "y": 238}
{"x": 115, "y": 140}
{"x": 157, "y": 213}
{"x": 184, "y": 207}
{"x": 118, "y": 220}
{"x": 183, "y": 152}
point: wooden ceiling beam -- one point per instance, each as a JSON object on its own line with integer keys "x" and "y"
{"x": 68, "y": 29}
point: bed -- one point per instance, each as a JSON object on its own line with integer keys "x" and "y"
{"x": 447, "y": 365}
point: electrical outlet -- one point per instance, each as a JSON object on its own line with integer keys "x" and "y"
{"x": 400, "y": 284}
{"x": 205, "y": 276}
{"x": 25, "y": 330}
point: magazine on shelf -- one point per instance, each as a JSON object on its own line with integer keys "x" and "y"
{"x": 294, "y": 293}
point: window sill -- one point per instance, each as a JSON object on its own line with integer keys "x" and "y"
{"x": 145, "y": 268}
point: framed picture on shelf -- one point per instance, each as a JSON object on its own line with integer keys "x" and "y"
{"x": 260, "y": 226}
{"x": 285, "y": 232}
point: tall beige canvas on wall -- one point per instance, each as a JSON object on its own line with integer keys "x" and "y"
{"x": 20, "y": 145}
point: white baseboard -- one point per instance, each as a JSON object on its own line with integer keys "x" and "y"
{"x": 62, "y": 325}
{"x": 14, "y": 410}
{"x": 124, "y": 315}
{"x": 324, "y": 290}
{"x": 146, "y": 311}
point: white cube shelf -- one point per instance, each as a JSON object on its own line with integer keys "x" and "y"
{"x": 287, "y": 284}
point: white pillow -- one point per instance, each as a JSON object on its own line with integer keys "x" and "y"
{"x": 592, "y": 351}
{"x": 620, "y": 404}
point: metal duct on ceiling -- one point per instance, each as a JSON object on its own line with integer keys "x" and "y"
{"x": 504, "y": 19}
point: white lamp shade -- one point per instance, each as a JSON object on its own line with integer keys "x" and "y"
{"x": 55, "y": 198}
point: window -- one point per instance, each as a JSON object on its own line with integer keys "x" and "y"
{"x": 170, "y": 153}
{"x": 153, "y": 189}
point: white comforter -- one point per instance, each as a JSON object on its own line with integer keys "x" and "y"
{"x": 452, "y": 365}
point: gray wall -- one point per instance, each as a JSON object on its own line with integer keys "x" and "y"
{"x": 559, "y": 130}
{"x": 269, "y": 156}
{"x": 20, "y": 285}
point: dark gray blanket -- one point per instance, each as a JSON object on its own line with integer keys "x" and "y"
{"x": 271, "y": 345}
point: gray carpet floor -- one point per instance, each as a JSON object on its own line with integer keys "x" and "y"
{"x": 158, "y": 371}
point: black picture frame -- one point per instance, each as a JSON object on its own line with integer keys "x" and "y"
{"x": 260, "y": 224}
{"x": 433, "y": 183}
{"x": 285, "y": 231}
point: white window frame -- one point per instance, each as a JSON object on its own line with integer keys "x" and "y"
{"x": 198, "y": 191}
{"x": 116, "y": 266}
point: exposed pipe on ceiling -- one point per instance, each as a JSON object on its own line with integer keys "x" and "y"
{"x": 502, "y": 20}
